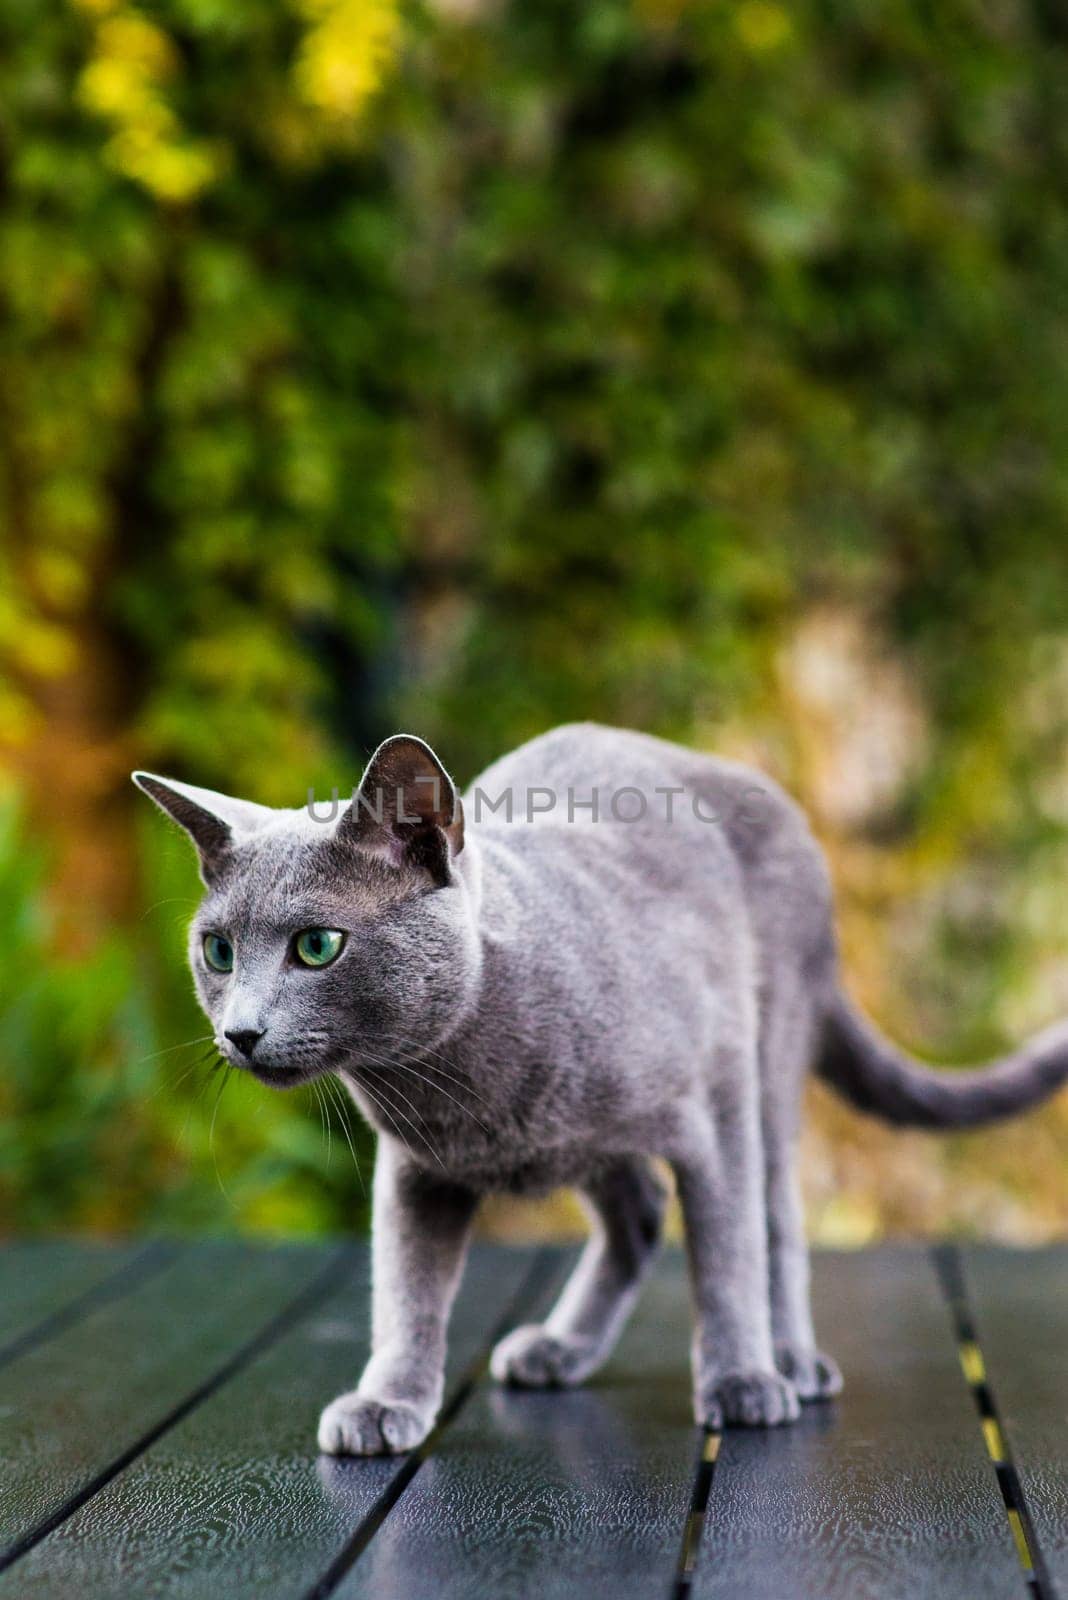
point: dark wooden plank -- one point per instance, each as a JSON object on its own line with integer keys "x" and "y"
{"x": 46, "y": 1283}
{"x": 1020, "y": 1304}
{"x": 889, "y": 1491}
{"x": 233, "y": 1501}
{"x": 575, "y": 1493}
{"x": 70, "y": 1407}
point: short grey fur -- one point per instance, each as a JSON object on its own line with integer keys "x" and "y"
{"x": 522, "y": 1004}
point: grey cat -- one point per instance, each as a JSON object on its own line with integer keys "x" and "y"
{"x": 556, "y": 999}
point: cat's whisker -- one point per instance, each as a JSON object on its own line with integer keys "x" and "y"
{"x": 431, "y": 1057}
{"x": 404, "y": 1067}
{"x": 175, "y": 1083}
{"x": 211, "y": 1132}
{"x": 394, "y": 1089}
{"x": 387, "y": 1064}
{"x": 420, "y": 1134}
{"x": 324, "y": 1121}
{"x": 379, "y": 1095}
{"x": 315, "y": 1095}
{"x": 321, "y": 1093}
{"x": 424, "y": 1052}
{"x": 169, "y": 900}
{"x": 185, "y": 1044}
{"x": 214, "y": 1068}
{"x": 366, "y": 1088}
{"x": 336, "y": 1095}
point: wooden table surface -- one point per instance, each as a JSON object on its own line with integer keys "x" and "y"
{"x": 158, "y": 1405}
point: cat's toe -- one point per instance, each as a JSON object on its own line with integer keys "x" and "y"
{"x": 814, "y": 1375}
{"x": 354, "y": 1425}
{"x": 532, "y": 1358}
{"x": 748, "y": 1400}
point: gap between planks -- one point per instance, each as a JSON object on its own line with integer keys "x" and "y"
{"x": 544, "y": 1270}
{"x": 544, "y": 1267}
{"x": 111, "y": 1287}
{"x": 951, "y": 1280}
{"x": 694, "y": 1528}
{"x": 292, "y": 1313}
{"x": 950, "y": 1273}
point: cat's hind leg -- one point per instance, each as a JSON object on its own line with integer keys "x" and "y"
{"x": 814, "y": 1374}
{"x": 626, "y": 1201}
{"x": 785, "y": 1052}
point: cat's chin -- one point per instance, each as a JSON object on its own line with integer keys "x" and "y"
{"x": 278, "y": 1077}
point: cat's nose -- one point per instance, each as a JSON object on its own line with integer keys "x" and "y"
{"x": 245, "y": 1039}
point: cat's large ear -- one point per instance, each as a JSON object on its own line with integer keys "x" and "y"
{"x": 407, "y": 808}
{"x": 213, "y": 821}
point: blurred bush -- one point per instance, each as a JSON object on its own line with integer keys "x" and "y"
{"x": 478, "y": 366}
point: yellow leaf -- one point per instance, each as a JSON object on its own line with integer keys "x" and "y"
{"x": 132, "y": 63}
{"x": 346, "y": 51}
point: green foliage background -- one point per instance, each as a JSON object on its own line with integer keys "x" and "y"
{"x": 572, "y": 361}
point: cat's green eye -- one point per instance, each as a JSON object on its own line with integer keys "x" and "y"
{"x": 317, "y": 947}
{"x": 218, "y": 953}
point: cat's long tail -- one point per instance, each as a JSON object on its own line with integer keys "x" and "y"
{"x": 876, "y": 1077}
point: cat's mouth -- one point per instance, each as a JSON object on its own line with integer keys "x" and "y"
{"x": 276, "y": 1077}
{"x": 278, "y": 1068}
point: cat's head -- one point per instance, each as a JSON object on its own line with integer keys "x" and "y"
{"x": 323, "y": 944}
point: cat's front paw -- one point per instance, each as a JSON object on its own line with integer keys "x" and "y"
{"x": 747, "y": 1400}
{"x": 533, "y": 1358}
{"x": 356, "y": 1425}
{"x": 814, "y": 1375}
